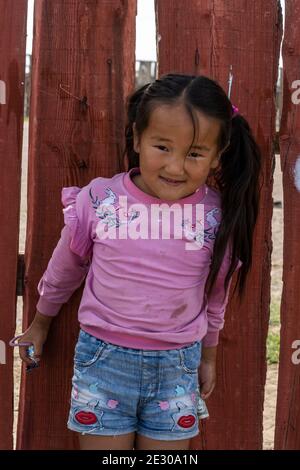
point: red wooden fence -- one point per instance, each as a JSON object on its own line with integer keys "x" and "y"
{"x": 12, "y": 78}
{"x": 287, "y": 435}
{"x": 82, "y": 69}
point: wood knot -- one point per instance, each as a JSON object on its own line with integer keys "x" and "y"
{"x": 81, "y": 164}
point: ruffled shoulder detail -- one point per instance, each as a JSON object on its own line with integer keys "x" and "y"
{"x": 75, "y": 219}
{"x": 69, "y": 194}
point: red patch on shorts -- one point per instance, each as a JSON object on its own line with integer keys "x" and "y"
{"x": 86, "y": 417}
{"x": 186, "y": 421}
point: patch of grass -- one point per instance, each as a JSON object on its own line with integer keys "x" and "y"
{"x": 274, "y": 314}
{"x": 273, "y": 339}
{"x": 273, "y": 342}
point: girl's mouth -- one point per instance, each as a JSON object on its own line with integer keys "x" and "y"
{"x": 172, "y": 182}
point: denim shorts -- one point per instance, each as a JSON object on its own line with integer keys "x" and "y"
{"x": 118, "y": 390}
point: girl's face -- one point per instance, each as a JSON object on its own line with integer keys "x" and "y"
{"x": 163, "y": 154}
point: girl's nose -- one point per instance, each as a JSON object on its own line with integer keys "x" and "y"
{"x": 175, "y": 167}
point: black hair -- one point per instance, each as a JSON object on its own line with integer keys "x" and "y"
{"x": 237, "y": 175}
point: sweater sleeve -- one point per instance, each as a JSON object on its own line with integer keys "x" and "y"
{"x": 217, "y": 302}
{"x": 70, "y": 260}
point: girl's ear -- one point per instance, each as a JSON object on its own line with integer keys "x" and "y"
{"x": 136, "y": 144}
{"x": 215, "y": 162}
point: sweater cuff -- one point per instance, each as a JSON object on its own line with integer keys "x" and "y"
{"x": 211, "y": 339}
{"x": 48, "y": 308}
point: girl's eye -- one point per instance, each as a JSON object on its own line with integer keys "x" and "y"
{"x": 194, "y": 154}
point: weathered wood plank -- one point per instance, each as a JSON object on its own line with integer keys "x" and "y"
{"x": 83, "y": 67}
{"x": 287, "y": 431}
{"x": 12, "y": 77}
{"x": 210, "y": 37}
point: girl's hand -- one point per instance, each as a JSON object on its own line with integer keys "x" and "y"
{"x": 207, "y": 372}
{"x": 36, "y": 334}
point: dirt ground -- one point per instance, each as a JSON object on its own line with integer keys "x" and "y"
{"x": 277, "y": 231}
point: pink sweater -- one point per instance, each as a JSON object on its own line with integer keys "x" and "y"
{"x": 142, "y": 289}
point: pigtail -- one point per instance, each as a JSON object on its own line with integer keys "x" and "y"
{"x": 237, "y": 178}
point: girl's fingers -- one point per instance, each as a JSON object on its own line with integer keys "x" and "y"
{"x": 206, "y": 391}
{"x": 205, "y": 387}
{"x": 38, "y": 350}
{"x": 23, "y": 355}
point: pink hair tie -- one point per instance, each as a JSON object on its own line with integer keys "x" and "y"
{"x": 235, "y": 110}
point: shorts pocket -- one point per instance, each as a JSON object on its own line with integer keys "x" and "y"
{"x": 88, "y": 349}
{"x": 190, "y": 358}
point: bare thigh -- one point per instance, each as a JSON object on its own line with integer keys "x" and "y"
{"x": 145, "y": 443}
{"x": 122, "y": 442}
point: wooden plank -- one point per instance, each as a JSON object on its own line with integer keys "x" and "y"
{"x": 12, "y": 78}
{"x": 83, "y": 68}
{"x": 208, "y": 38}
{"x": 287, "y": 432}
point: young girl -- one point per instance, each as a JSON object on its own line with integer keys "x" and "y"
{"x": 158, "y": 246}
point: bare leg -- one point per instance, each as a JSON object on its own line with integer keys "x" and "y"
{"x": 122, "y": 442}
{"x": 145, "y": 443}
